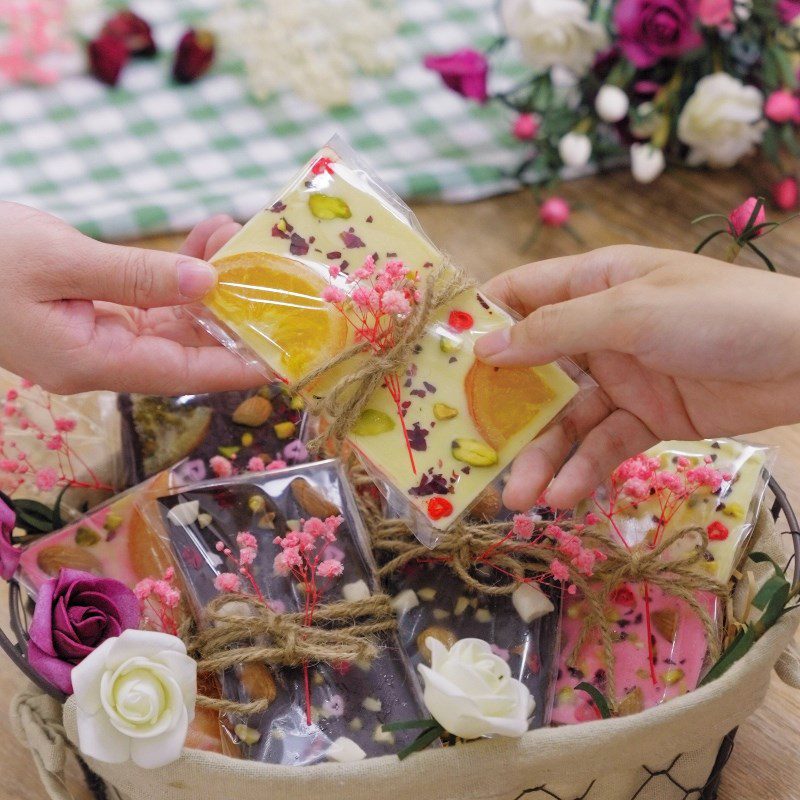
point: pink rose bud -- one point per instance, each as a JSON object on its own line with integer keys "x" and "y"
{"x": 133, "y": 31}
{"x": 107, "y": 56}
{"x": 740, "y": 216}
{"x": 194, "y": 56}
{"x": 781, "y": 106}
{"x": 554, "y": 212}
{"x": 785, "y": 194}
{"x": 526, "y": 127}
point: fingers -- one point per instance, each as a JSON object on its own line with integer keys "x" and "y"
{"x": 586, "y": 324}
{"x": 196, "y": 241}
{"x": 131, "y": 276}
{"x": 220, "y": 237}
{"x": 535, "y": 466}
{"x": 531, "y": 286}
{"x": 619, "y": 436}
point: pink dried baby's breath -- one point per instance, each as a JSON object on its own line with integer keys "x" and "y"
{"x": 330, "y": 569}
{"x": 221, "y": 466}
{"x": 227, "y": 582}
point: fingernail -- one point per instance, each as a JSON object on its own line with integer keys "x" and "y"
{"x": 195, "y": 278}
{"x": 493, "y": 343}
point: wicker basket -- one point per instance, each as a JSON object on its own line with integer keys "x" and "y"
{"x": 210, "y": 775}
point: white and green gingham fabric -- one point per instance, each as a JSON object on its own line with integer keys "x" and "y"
{"x": 152, "y": 157}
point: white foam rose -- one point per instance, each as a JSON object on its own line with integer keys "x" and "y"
{"x": 647, "y": 162}
{"x": 470, "y": 692}
{"x": 575, "y": 149}
{"x": 135, "y": 697}
{"x": 722, "y": 120}
{"x": 554, "y": 33}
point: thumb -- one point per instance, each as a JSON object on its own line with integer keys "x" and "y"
{"x": 133, "y": 276}
{"x": 582, "y": 325}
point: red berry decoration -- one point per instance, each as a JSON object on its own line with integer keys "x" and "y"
{"x": 717, "y": 532}
{"x": 107, "y": 56}
{"x": 439, "y": 507}
{"x": 624, "y": 596}
{"x": 194, "y": 56}
{"x": 133, "y": 31}
{"x": 460, "y": 320}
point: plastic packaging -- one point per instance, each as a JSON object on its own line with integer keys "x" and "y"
{"x": 159, "y": 432}
{"x": 348, "y": 702}
{"x": 57, "y": 451}
{"x": 679, "y": 652}
{"x": 728, "y": 513}
{"x": 441, "y": 427}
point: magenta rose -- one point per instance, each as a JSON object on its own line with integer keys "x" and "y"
{"x": 464, "y": 71}
{"x": 9, "y": 553}
{"x": 652, "y": 30}
{"x": 75, "y": 613}
{"x": 788, "y": 10}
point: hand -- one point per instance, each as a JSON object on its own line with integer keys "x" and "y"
{"x": 80, "y": 315}
{"x": 682, "y": 347}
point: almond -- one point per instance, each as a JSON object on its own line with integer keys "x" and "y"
{"x": 632, "y": 703}
{"x": 443, "y": 635}
{"x": 253, "y": 412}
{"x": 258, "y": 682}
{"x": 488, "y": 505}
{"x": 52, "y": 558}
{"x": 311, "y": 501}
{"x": 666, "y": 623}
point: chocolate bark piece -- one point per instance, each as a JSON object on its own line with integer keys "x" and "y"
{"x": 157, "y": 432}
{"x": 348, "y": 700}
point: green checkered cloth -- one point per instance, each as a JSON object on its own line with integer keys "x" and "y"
{"x": 151, "y": 157}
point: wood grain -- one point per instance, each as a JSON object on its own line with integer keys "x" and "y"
{"x": 485, "y": 238}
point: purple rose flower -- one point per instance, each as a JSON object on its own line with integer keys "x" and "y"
{"x": 788, "y": 10}
{"x": 9, "y": 553}
{"x": 652, "y": 30}
{"x": 464, "y": 71}
{"x": 75, "y": 613}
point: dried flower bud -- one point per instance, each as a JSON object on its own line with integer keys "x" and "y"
{"x": 194, "y": 56}
{"x": 133, "y": 31}
{"x": 107, "y": 56}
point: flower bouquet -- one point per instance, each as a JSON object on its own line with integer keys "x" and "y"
{"x": 696, "y": 82}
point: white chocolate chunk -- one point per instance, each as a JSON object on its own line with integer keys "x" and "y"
{"x": 427, "y": 594}
{"x": 356, "y": 724}
{"x": 358, "y": 590}
{"x": 344, "y": 751}
{"x": 382, "y": 736}
{"x": 403, "y": 602}
{"x": 248, "y": 735}
{"x": 204, "y": 520}
{"x": 440, "y": 614}
{"x": 462, "y": 604}
{"x": 372, "y": 704}
{"x": 530, "y": 602}
{"x": 483, "y": 615}
{"x": 184, "y": 513}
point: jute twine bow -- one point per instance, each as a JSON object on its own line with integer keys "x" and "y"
{"x": 344, "y": 402}
{"x": 467, "y": 545}
{"x": 341, "y": 631}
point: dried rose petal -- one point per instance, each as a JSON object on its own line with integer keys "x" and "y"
{"x": 107, "y": 56}
{"x": 133, "y": 31}
{"x": 194, "y": 56}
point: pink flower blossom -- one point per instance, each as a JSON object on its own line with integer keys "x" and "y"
{"x": 333, "y": 294}
{"x": 570, "y": 546}
{"x": 12, "y": 394}
{"x": 46, "y": 479}
{"x": 706, "y": 475}
{"x": 554, "y": 212}
{"x": 640, "y": 466}
{"x": 171, "y": 598}
{"x": 9, "y": 409}
{"x": 738, "y": 218}
{"x": 292, "y": 557}
{"x": 559, "y": 570}
{"x": 221, "y": 466}
{"x": 526, "y": 127}
{"x": 334, "y": 271}
{"x": 276, "y": 463}
{"x": 227, "y": 582}
{"x": 330, "y": 569}
{"x": 26, "y": 384}
{"x": 256, "y": 464}
{"x": 366, "y": 298}
{"x": 523, "y": 527}
{"x": 65, "y": 424}
{"x": 55, "y": 442}
{"x": 246, "y": 539}
{"x": 465, "y": 71}
{"x": 247, "y": 555}
{"x": 395, "y": 302}
{"x": 8, "y": 465}
{"x": 280, "y": 566}
{"x": 584, "y": 561}
{"x": 366, "y": 270}
{"x": 144, "y": 589}
{"x": 785, "y": 194}
{"x": 781, "y": 106}
{"x": 788, "y": 10}
{"x": 716, "y": 13}
{"x": 636, "y": 488}
{"x": 592, "y": 519}
{"x": 669, "y": 481}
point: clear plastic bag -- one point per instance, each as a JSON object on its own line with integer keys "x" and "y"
{"x": 728, "y": 513}
{"x": 158, "y": 432}
{"x": 57, "y": 451}
{"x": 444, "y": 425}
{"x": 347, "y": 701}
{"x": 679, "y": 651}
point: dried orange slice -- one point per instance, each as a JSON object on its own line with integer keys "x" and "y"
{"x": 503, "y": 400}
{"x": 276, "y": 304}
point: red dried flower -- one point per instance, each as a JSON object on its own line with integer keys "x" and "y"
{"x": 717, "y": 532}
{"x": 460, "y": 320}
{"x": 194, "y": 56}
{"x": 133, "y": 31}
{"x": 107, "y": 56}
{"x": 439, "y": 507}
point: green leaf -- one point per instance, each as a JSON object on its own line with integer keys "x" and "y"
{"x": 770, "y": 144}
{"x": 422, "y": 741}
{"x": 708, "y": 240}
{"x": 763, "y": 256}
{"x": 776, "y": 604}
{"x": 740, "y": 645}
{"x": 33, "y": 517}
{"x": 597, "y": 698}
{"x": 409, "y": 724}
{"x": 761, "y": 558}
{"x": 58, "y": 520}
{"x": 761, "y": 600}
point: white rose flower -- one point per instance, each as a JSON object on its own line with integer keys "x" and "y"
{"x": 575, "y": 149}
{"x": 135, "y": 696}
{"x": 721, "y": 121}
{"x": 554, "y": 33}
{"x": 612, "y": 103}
{"x": 647, "y": 162}
{"x": 470, "y": 692}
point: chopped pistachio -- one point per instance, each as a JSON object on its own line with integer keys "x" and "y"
{"x": 284, "y": 430}
{"x": 443, "y": 411}
{"x": 450, "y": 344}
{"x": 248, "y": 735}
{"x": 229, "y": 451}
{"x": 247, "y": 439}
{"x": 113, "y": 521}
{"x": 474, "y": 452}
{"x": 371, "y": 423}
{"x": 257, "y": 503}
{"x": 483, "y": 615}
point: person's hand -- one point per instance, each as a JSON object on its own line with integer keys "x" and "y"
{"x": 78, "y": 314}
{"x": 682, "y": 346}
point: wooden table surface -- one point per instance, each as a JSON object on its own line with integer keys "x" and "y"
{"x": 486, "y": 237}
